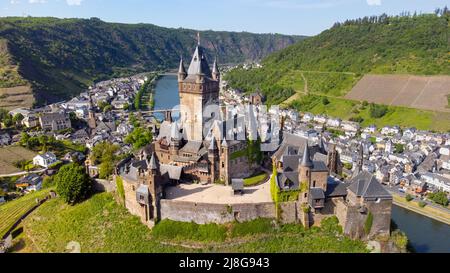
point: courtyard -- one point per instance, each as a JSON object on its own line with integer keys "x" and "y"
{"x": 219, "y": 194}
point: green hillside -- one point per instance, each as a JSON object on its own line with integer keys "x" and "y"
{"x": 101, "y": 225}
{"x": 331, "y": 63}
{"x": 60, "y": 57}
{"x": 403, "y": 45}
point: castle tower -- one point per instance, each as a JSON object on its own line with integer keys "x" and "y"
{"x": 304, "y": 172}
{"x": 181, "y": 71}
{"x": 153, "y": 182}
{"x": 224, "y": 162}
{"x": 213, "y": 159}
{"x": 175, "y": 139}
{"x": 215, "y": 72}
{"x": 198, "y": 87}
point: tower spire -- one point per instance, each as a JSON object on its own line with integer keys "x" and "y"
{"x": 306, "y": 160}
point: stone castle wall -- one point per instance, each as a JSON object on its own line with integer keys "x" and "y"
{"x": 203, "y": 213}
{"x": 355, "y": 220}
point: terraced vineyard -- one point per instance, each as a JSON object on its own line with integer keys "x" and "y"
{"x": 12, "y": 211}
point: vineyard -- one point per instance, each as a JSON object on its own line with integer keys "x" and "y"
{"x": 12, "y": 211}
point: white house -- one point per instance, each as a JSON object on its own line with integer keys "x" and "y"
{"x": 320, "y": 119}
{"x": 350, "y": 126}
{"x": 334, "y": 122}
{"x": 45, "y": 160}
{"x": 307, "y": 117}
{"x": 438, "y": 181}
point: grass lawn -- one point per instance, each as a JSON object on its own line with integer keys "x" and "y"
{"x": 101, "y": 225}
{"x": 10, "y": 212}
{"x": 255, "y": 180}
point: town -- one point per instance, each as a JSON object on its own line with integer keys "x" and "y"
{"x": 310, "y": 166}
{"x": 407, "y": 161}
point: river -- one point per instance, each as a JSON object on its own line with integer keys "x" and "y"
{"x": 425, "y": 234}
{"x": 166, "y": 95}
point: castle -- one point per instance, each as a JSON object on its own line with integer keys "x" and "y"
{"x": 183, "y": 152}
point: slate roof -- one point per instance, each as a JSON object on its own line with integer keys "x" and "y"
{"x": 199, "y": 64}
{"x": 192, "y": 147}
{"x": 316, "y": 193}
{"x": 174, "y": 172}
{"x": 288, "y": 181}
{"x": 336, "y": 188}
{"x": 365, "y": 185}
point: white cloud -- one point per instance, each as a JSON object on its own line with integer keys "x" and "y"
{"x": 374, "y": 2}
{"x": 305, "y": 4}
{"x": 37, "y": 1}
{"x": 14, "y": 2}
{"x": 74, "y": 2}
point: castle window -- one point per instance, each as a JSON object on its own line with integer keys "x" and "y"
{"x": 314, "y": 184}
{"x": 223, "y": 164}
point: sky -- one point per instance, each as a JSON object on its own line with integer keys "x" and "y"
{"x": 296, "y": 17}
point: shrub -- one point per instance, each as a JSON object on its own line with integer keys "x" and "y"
{"x": 378, "y": 111}
{"x": 409, "y": 198}
{"x": 331, "y": 225}
{"x": 357, "y": 119}
{"x": 325, "y": 101}
{"x": 400, "y": 239}
{"x": 72, "y": 183}
{"x": 422, "y": 204}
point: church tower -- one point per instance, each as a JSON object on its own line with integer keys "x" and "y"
{"x": 197, "y": 87}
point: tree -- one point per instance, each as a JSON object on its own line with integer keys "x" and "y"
{"x": 48, "y": 182}
{"x": 325, "y": 101}
{"x": 377, "y": 111}
{"x": 107, "y": 108}
{"x": 139, "y": 138}
{"x": 439, "y": 198}
{"x": 105, "y": 169}
{"x": 17, "y": 119}
{"x": 73, "y": 184}
{"x": 409, "y": 198}
{"x": 104, "y": 155}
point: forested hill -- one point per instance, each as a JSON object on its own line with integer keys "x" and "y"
{"x": 60, "y": 57}
{"x": 412, "y": 44}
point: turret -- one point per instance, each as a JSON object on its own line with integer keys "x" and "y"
{"x": 213, "y": 160}
{"x": 181, "y": 71}
{"x": 175, "y": 139}
{"x": 305, "y": 167}
{"x": 153, "y": 167}
{"x": 200, "y": 74}
{"x": 216, "y": 72}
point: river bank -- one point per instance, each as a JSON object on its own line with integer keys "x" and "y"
{"x": 428, "y": 211}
